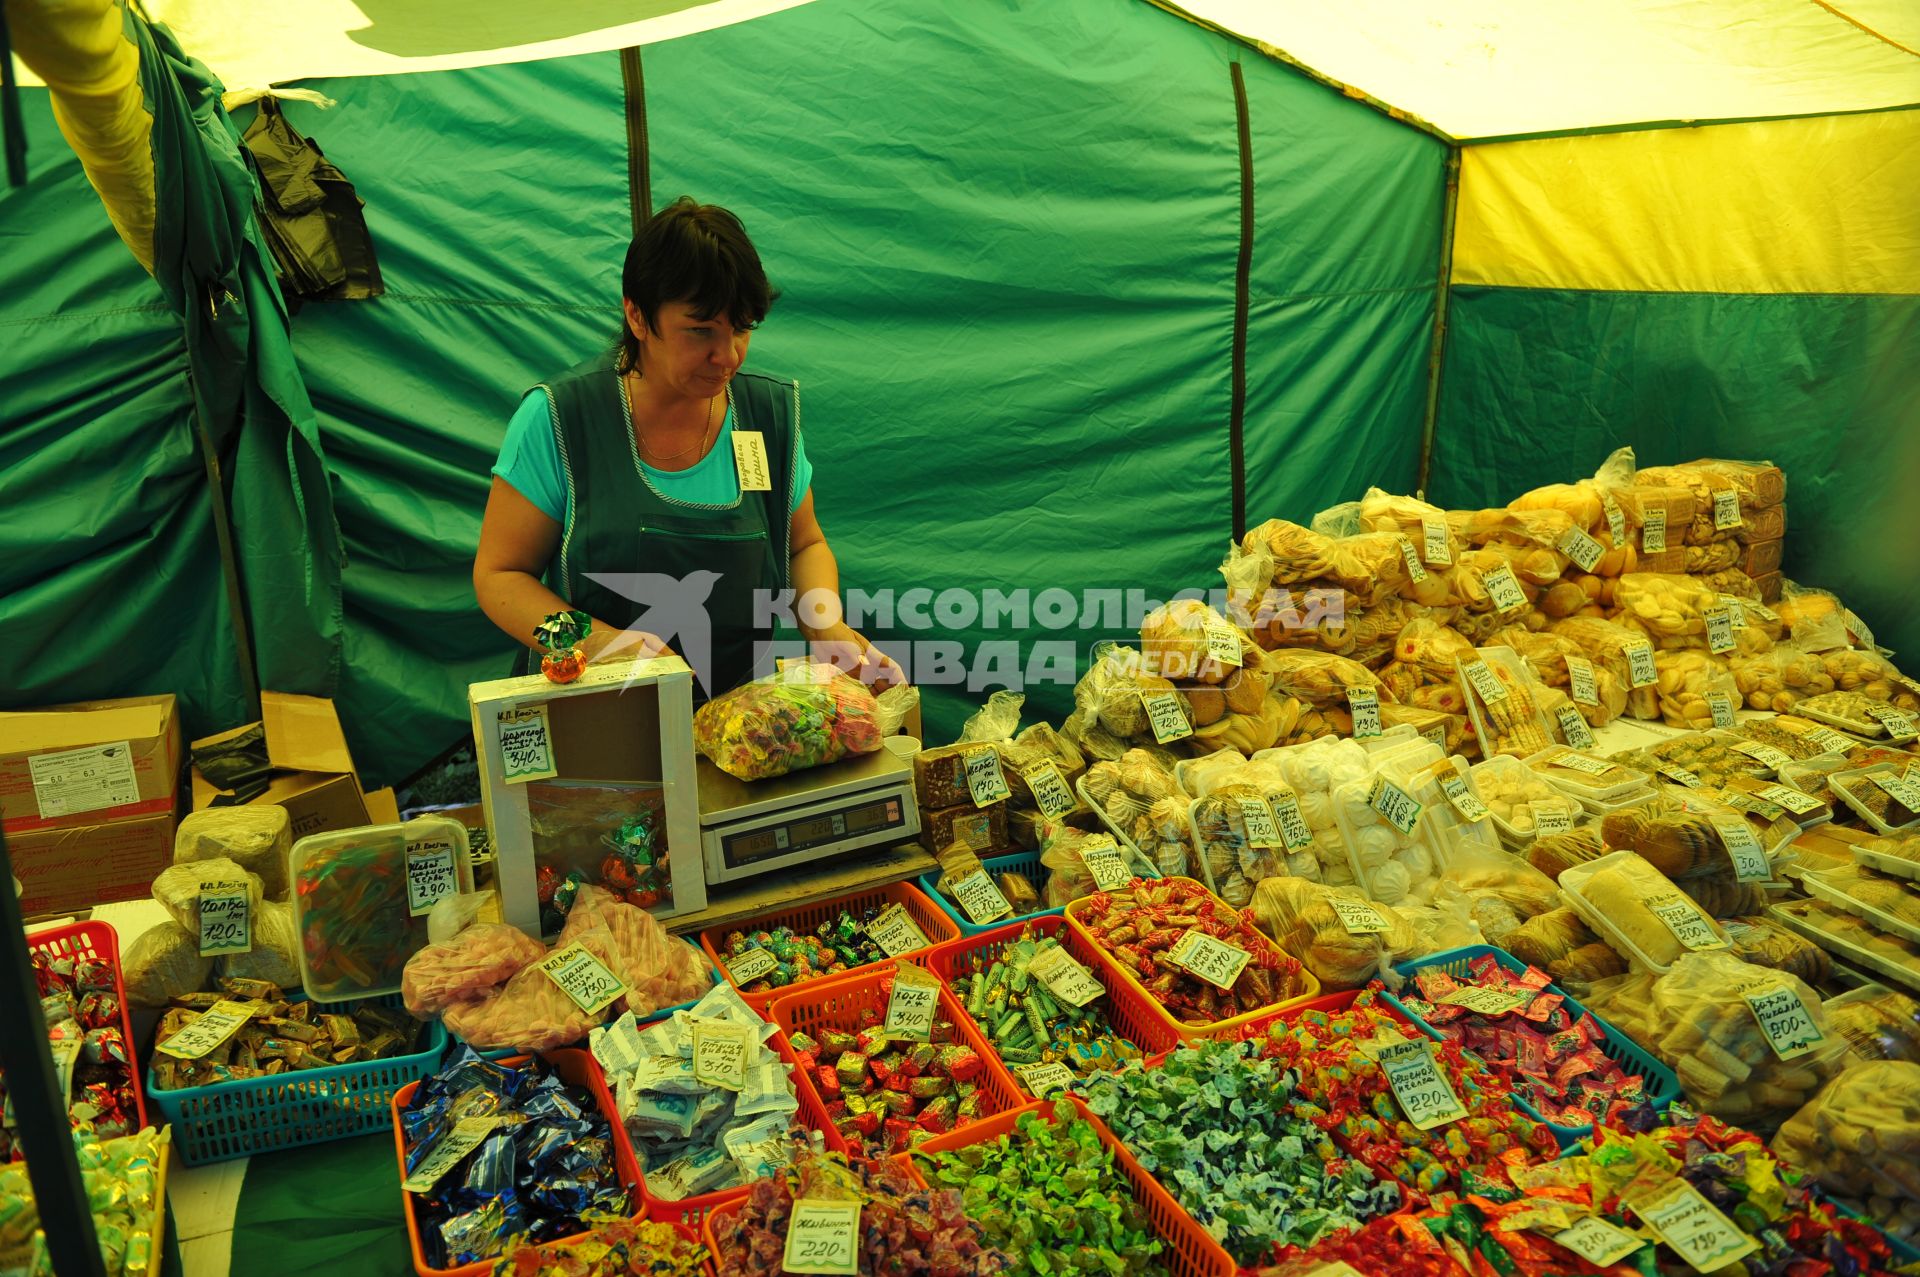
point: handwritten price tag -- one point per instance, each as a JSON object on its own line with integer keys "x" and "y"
{"x": 1573, "y": 727}
{"x": 1485, "y": 681}
{"x": 1581, "y": 763}
{"x": 1164, "y": 715}
{"x": 1461, "y": 795}
{"x": 1065, "y": 978}
{"x": 823, "y": 1237}
{"x": 1899, "y": 726}
{"x": 1257, "y": 817}
{"x": 1683, "y": 918}
{"x": 218, "y": 1024}
{"x": 1205, "y": 958}
{"x": 1641, "y": 671}
{"x": 1726, "y": 510}
{"x": 1784, "y": 1018}
{"x": 896, "y": 932}
{"x": 1792, "y": 799}
{"x": 751, "y": 965}
{"x": 226, "y": 919}
{"x": 1416, "y": 572}
{"x": 985, "y": 781}
{"x": 1748, "y": 856}
{"x": 1049, "y": 789}
{"x": 526, "y": 748}
{"x": 982, "y": 900}
{"x": 1693, "y": 1226}
{"x": 910, "y": 1008}
{"x": 1616, "y": 521}
{"x": 1720, "y": 705}
{"x": 1551, "y": 818}
{"x": 1581, "y": 548}
{"x": 1719, "y": 630}
{"x": 1902, "y": 789}
{"x": 1504, "y": 589}
{"x": 1485, "y": 1001}
{"x": 1223, "y": 644}
{"x": 1294, "y": 831}
{"x": 1681, "y": 776}
{"x": 1598, "y": 1242}
{"x": 430, "y": 874}
{"x": 1828, "y": 740}
{"x": 1358, "y": 917}
{"x": 467, "y": 1134}
{"x": 750, "y": 461}
{"x": 1581, "y": 682}
{"x": 1396, "y": 806}
{"x": 1426, "y": 1097}
{"x": 1434, "y": 545}
{"x": 584, "y": 978}
{"x": 1042, "y": 1078}
{"x": 1105, "y": 865}
{"x": 1364, "y": 703}
{"x": 1653, "y": 531}
{"x": 720, "y": 1050}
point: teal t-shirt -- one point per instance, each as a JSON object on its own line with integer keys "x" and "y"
{"x": 530, "y": 463}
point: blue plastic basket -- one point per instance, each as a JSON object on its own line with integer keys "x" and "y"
{"x": 309, "y": 1106}
{"x": 505, "y": 1051}
{"x": 1662, "y": 1087}
{"x": 1905, "y": 1252}
{"x": 1022, "y": 862}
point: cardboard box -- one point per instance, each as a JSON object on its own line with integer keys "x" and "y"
{"x": 69, "y": 869}
{"x": 312, "y": 772}
{"x": 88, "y": 762}
{"x": 383, "y": 807}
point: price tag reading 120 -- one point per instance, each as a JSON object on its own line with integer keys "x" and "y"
{"x": 226, "y": 923}
{"x": 823, "y": 1237}
{"x": 1217, "y": 963}
{"x": 1425, "y": 1095}
{"x": 1164, "y": 715}
{"x": 584, "y": 978}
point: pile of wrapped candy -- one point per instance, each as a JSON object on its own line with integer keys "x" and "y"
{"x": 1508, "y": 1237}
{"x": 613, "y": 1248}
{"x": 86, "y": 1034}
{"x": 691, "y": 1136}
{"x": 833, "y": 947}
{"x": 1141, "y": 923}
{"x": 1342, "y": 1089}
{"x": 280, "y": 1036}
{"x": 1523, "y": 1032}
{"x": 1049, "y": 1193}
{"x": 886, "y": 1096}
{"x": 546, "y": 1166}
{"x": 804, "y": 716}
{"x": 1026, "y": 1024}
{"x": 903, "y": 1228}
{"x": 1214, "y": 1124}
{"x": 122, "y": 1181}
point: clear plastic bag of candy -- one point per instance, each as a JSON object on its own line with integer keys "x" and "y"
{"x": 804, "y": 716}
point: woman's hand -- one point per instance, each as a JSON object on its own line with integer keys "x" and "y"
{"x": 848, "y": 651}
{"x": 606, "y": 642}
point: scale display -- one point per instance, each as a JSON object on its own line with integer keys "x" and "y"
{"x": 813, "y": 831}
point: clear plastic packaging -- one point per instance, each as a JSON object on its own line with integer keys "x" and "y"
{"x": 1669, "y": 608}
{"x": 1688, "y": 679}
{"x": 1637, "y": 909}
{"x": 1387, "y": 864}
{"x": 1509, "y": 723}
{"x": 1302, "y": 919}
{"x": 1138, "y": 799}
{"x": 1587, "y": 776}
{"x": 1860, "y": 1137}
{"x": 1765, "y": 943}
{"x": 178, "y": 888}
{"x": 1452, "y": 835}
{"x": 1888, "y": 903}
{"x": 1873, "y": 676}
{"x": 1187, "y": 640}
{"x": 1898, "y": 856}
{"x": 1851, "y": 712}
{"x": 1368, "y": 564}
{"x": 1514, "y": 793}
{"x": 1546, "y": 654}
{"x": 1853, "y": 940}
{"x": 162, "y": 963}
{"x": 1884, "y": 813}
{"x": 606, "y": 833}
{"x": 803, "y": 716}
{"x": 1607, "y": 643}
{"x": 1881, "y": 1023}
{"x": 1313, "y": 771}
{"x": 255, "y": 836}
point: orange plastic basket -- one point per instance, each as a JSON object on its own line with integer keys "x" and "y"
{"x": 576, "y": 1068}
{"x": 97, "y": 941}
{"x": 931, "y": 919}
{"x": 1129, "y": 1010}
{"x": 839, "y": 1004}
{"x": 1310, "y": 987}
{"x": 1190, "y": 1251}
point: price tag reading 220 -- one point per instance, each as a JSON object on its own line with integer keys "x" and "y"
{"x": 1425, "y": 1095}
{"x": 823, "y": 1237}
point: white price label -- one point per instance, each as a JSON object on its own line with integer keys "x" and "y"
{"x": 1719, "y": 630}
{"x": 1616, "y": 520}
{"x": 985, "y": 781}
{"x": 1899, "y": 725}
{"x": 896, "y": 932}
{"x": 911, "y": 1006}
{"x": 1720, "y": 705}
{"x": 1726, "y": 510}
{"x": 1437, "y": 733}
{"x": 1042, "y": 1078}
{"x": 1653, "y": 531}
{"x": 430, "y": 874}
{"x": 1641, "y": 671}
{"x": 1573, "y": 727}
{"x": 1581, "y": 763}
{"x": 1485, "y": 681}
{"x": 214, "y": 1026}
{"x": 1461, "y": 795}
{"x": 1766, "y": 755}
{"x": 1580, "y": 680}
{"x": 1358, "y": 917}
{"x": 1214, "y": 961}
{"x": 1050, "y": 791}
{"x": 1683, "y": 918}
{"x": 1105, "y": 863}
{"x": 750, "y": 461}
{"x": 526, "y": 746}
{"x": 1551, "y": 818}
{"x": 1426, "y": 1098}
{"x": 1435, "y": 546}
{"x": 1416, "y": 572}
{"x": 1902, "y": 789}
{"x": 226, "y": 919}
{"x": 1164, "y": 715}
{"x": 1693, "y": 1226}
{"x": 467, "y": 1134}
{"x": 1396, "y": 806}
{"x": 1504, "y": 589}
{"x": 747, "y": 967}
{"x": 67, "y": 782}
{"x": 1364, "y": 703}
{"x": 1736, "y": 610}
{"x": 1581, "y": 548}
{"x": 1223, "y": 644}
{"x": 720, "y": 1051}
{"x": 1748, "y": 856}
{"x": 823, "y": 1237}
{"x": 1486, "y": 1001}
{"x": 1065, "y": 977}
{"x": 1597, "y": 1241}
{"x": 1792, "y": 799}
{"x": 978, "y": 895}
{"x": 1827, "y": 740}
{"x": 1294, "y": 831}
{"x": 584, "y": 978}
{"x": 1783, "y": 1018}
{"x": 1681, "y": 776}
{"x": 1257, "y": 818}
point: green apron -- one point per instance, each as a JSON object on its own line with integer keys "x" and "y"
{"x": 618, "y": 523}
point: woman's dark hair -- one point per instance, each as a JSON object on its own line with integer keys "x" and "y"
{"x": 693, "y": 253}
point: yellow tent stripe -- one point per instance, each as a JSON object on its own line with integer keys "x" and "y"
{"x": 1780, "y": 206}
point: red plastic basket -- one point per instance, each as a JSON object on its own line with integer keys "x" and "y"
{"x": 838, "y": 1004}
{"x": 1190, "y": 1251}
{"x": 1186, "y": 1032}
{"x": 576, "y": 1068}
{"x": 1128, "y": 1009}
{"x": 689, "y": 1211}
{"x": 931, "y": 919}
{"x": 97, "y": 941}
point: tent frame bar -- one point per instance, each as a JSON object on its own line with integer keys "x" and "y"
{"x": 1443, "y": 292}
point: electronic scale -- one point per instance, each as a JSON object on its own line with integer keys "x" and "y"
{"x": 754, "y": 827}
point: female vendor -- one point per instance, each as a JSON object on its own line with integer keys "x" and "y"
{"x": 618, "y": 493}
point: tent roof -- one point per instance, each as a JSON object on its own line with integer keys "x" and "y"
{"x": 1482, "y": 69}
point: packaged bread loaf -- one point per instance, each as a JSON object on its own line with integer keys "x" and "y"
{"x": 1336, "y": 932}
{"x": 1749, "y": 1045}
{"x": 1760, "y": 483}
{"x": 1554, "y": 854}
{"x": 1643, "y": 910}
{"x": 1860, "y": 1137}
{"x": 1666, "y": 506}
{"x": 255, "y": 836}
